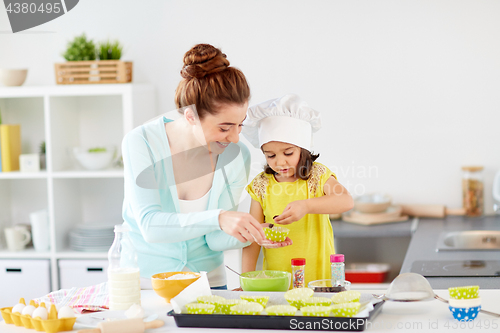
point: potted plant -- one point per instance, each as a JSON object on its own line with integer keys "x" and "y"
{"x": 80, "y": 49}
{"x": 42, "y": 155}
{"x": 88, "y": 63}
{"x": 110, "y": 50}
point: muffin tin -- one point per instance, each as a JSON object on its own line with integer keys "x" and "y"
{"x": 50, "y": 325}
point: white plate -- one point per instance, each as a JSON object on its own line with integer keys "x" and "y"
{"x": 92, "y": 319}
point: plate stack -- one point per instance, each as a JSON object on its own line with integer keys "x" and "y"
{"x": 91, "y": 238}
{"x": 374, "y": 208}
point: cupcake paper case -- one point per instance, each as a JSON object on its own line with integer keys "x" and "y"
{"x": 464, "y": 292}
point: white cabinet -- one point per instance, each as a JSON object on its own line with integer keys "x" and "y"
{"x": 66, "y": 117}
{"x": 82, "y": 273}
{"x": 23, "y": 278}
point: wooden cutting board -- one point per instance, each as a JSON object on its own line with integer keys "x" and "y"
{"x": 393, "y": 214}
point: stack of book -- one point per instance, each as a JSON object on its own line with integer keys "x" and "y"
{"x": 10, "y": 147}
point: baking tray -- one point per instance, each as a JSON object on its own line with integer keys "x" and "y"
{"x": 356, "y": 324}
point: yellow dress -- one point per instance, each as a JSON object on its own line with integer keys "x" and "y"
{"x": 312, "y": 235}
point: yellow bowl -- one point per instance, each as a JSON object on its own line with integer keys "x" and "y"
{"x": 168, "y": 289}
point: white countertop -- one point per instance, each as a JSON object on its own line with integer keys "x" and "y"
{"x": 431, "y": 316}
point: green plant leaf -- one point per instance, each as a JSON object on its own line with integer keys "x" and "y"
{"x": 80, "y": 49}
{"x": 42, "y": 147}
{"x": 110, "y": 50}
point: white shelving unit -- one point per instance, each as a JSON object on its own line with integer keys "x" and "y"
{"x": 66, "y": 117}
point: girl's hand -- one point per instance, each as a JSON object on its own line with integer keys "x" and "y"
{"x": 242, "y": 226}
{"x": 269, "y": 244}
{"x": 293, "y": 212}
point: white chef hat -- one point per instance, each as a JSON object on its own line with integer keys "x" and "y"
{"x": 286, "y": 119}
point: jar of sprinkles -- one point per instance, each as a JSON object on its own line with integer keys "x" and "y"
{"x": 337, "y": 269}
{"x": 298, "y": 270}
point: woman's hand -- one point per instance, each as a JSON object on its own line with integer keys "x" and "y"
{"x": 293, "y": 212}
{"x": 269, "y": 244}
{"x": 242, "y": 226}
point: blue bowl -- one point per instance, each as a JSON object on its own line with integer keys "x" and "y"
{"x": 465, "y": 314}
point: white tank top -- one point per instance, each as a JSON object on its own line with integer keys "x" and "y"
{"x": 216, "y": 277}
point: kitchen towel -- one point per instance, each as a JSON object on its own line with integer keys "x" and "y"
{"x": 93, "y": 298}
{"x": 200, "y": 287}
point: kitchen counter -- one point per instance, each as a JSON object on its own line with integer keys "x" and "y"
{"x": 425, "y": 240}
{"x": 342, "y": 229}
{"x": 410, "y": 317}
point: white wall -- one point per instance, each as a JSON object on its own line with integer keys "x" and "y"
{"x": 410, "y": 89}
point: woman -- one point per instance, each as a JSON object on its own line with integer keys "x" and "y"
{"x": 184, "y": 177}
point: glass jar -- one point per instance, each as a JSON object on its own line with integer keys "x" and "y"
{"x": 337, "y": 269}
{"x": 124, "y": 281}
{"x": 298, "y": 271}
{"x": 473, "y": 190}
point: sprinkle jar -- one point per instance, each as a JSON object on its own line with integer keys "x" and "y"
{"x": 298, "y": 269}
{"x": 337, "y": 269}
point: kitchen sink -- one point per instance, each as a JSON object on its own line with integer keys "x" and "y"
{"x": 477, "y": 240}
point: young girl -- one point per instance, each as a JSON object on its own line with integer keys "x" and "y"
{"x": 293, "y": 190}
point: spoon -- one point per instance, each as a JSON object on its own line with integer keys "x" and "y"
{"x": 232, "y": 270}
{"x": 413, "y": 287}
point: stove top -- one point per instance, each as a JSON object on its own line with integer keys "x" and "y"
{"x": 457, "y": 268}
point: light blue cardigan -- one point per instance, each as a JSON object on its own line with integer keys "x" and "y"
{"x": 164, "y": 239}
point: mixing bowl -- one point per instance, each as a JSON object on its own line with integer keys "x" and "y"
{"x": 265, "y": 281}
{"x": 168, "y": 289}
{"x": 372, "y": 203}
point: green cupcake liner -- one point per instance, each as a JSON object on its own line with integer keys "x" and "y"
{"x": 346, "y": 297}
{"x": 224, "y": 306}
{"x": 250, "y": 308}
{"x": 211, "y": 299}
{"x": 317, "y": 301}
{"x": 345, "y": 309}
{"x": 276, "y": 234}
{"x": 200, "y": 308}
{"x": 315, "y": 311}
{"x": 262, "y": 300}
{"x": 281, "y": 310}
{"x": 296, "y": 296}
{"x": 466, "y": 292}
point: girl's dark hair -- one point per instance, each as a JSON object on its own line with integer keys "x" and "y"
{"x": 304, "y": 166}
{"x": 208, "y": 81}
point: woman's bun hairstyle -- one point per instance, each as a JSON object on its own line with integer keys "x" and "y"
{"x": 208, "y": 80}
{"x": 203, "y": 59}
